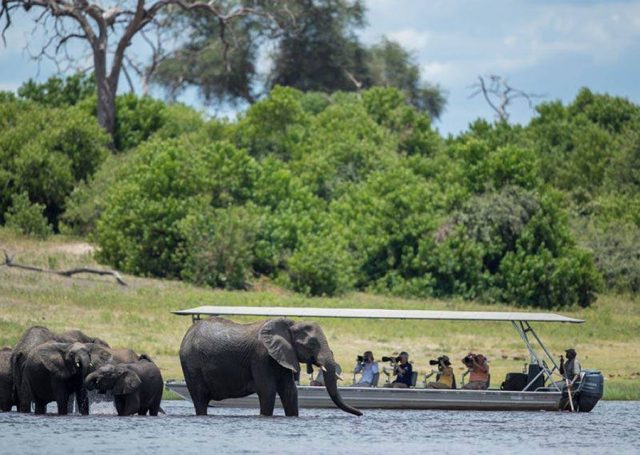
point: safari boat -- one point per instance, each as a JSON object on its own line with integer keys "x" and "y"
{"x": 537, "y": 392}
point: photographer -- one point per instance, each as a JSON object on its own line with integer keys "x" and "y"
{"x": 368, "y": 367}
{"x": 570, "y": 370}
{"x": 479, "y": 372}
{"x": 403, "y": 371}
{"x": 445, "y": 378}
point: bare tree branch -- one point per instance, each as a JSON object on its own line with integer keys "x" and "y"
{"x": 109, "y": 31}
{"x": 499, "y": 94}
{"x": 8, "y": 261}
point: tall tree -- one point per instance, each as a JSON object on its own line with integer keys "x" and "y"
{"x": 322, "y": 52}
{"x": 108, "y": 28}
{"x": 390, "y": 65}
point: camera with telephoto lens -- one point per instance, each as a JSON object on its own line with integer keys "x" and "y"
{"x": 360, "y": 359}
{"x": 434, "y": 362}
{"x": 391, "y": 359}
{"x": 468, "y": 360}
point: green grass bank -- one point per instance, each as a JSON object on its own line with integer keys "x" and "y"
{"x": 138, "y": 316}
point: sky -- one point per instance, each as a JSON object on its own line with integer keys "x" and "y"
{"x": 548, "y": 47}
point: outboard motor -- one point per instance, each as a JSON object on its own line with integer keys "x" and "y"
{"x": 590, "y": 390}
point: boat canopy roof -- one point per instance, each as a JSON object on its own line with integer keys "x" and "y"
{"x": 372, "y": 313}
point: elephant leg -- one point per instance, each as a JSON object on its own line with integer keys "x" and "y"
{"x": 120, "y": 403}
{"x": 41, "y": 407}
{"x": 131, "y": 404}
{"x": 199, "y": 397}
{"x": 82, "y": 398}
{"x": 288, "y": 393}
{"x": 62, "y": 400}
{"x": 24, "y": 397}
{"x": 267, "y": 401}
{"x": 154, "y": 407}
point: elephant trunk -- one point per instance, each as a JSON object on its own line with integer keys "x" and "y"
{"x": 91, "y": 381}
{"x": 331, "y": 383}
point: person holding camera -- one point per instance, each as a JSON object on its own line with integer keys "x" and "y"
{"x": 570, "y": 370}
{"x": 445, "y": 378}
{"x": 478, "y": 372}
{"x": 367, "y": 367}
{"x": 403, "y": 371}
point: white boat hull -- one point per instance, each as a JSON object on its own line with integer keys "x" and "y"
{"x": 383, "y": 398}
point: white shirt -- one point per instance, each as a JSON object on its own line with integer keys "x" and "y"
{"x": 368, "y": 370}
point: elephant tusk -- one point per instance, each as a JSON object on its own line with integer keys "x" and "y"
{"x": 324, "y": 370}
{"x": 78, "y": 364}
{"x": 91, "y": 364}
{"x": 339, "y": 377}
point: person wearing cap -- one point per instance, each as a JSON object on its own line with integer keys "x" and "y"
{"x": 444, "y": 378}
{"x": 403, "y": 371}
{"x": 570, "y": 370}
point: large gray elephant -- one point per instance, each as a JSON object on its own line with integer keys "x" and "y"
{"x": 137, "y": 387}
{"x": 53, "y": 371}
{"x": 31, "y": 339}
{"x": 7, "y": 391}
{"x": 221, "y": 359}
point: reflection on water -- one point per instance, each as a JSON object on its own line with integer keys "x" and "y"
{"x": 611, "y": 428}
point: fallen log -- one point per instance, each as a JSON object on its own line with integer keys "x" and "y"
{"x": 8, "y": 261}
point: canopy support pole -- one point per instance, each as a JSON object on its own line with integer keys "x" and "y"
{"x": 523, "y": 328}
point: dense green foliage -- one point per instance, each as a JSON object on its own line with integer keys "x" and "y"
{"x": 324, "y": 194}
{"x": 27, "y": 218}
{"x": 45, "y": 152}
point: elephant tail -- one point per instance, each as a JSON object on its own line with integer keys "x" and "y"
{"x": 162, "y": 410}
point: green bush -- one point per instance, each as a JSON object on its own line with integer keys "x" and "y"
{"x": 137, "y": 118}
{"x": 140, "y": 228}
{"x": 46, "y": 152}
{"x": 219, "y": 246}
{"x": 321, "y": 265}
{"x": 26, "y": 218}
{"x": 59, "y": 92}
{"x": 616, "y": 250}
{"x": 544, "y": 281}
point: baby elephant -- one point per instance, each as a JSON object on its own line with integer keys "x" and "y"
{"x": 137, "y": 386}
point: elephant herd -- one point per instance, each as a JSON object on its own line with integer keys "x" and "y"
{"x": 220, "y": 359}
{"x": 46, "y": 367}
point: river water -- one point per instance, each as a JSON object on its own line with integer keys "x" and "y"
{"x": 612, "y": 427}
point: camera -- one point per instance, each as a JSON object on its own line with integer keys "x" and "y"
{"x": 434, "y": 362}
{"x": 360, "y": 359}
{"x": 391, "y": 359}
{"x": 468, "y": 360}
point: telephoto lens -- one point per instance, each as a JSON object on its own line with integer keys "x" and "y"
{"x": 360, "y": 358}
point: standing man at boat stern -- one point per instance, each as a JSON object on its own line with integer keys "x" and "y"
{"x": 570, "y": 369}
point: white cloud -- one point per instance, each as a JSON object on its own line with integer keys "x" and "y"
{"x": 410, "y": 38}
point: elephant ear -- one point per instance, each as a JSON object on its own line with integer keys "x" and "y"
{"x": 276, "y": 337}
{"x": 54, "y": 361}
{"x": 127, "y": 383}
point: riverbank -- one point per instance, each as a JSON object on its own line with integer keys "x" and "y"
{"x": 138, "y": 316}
